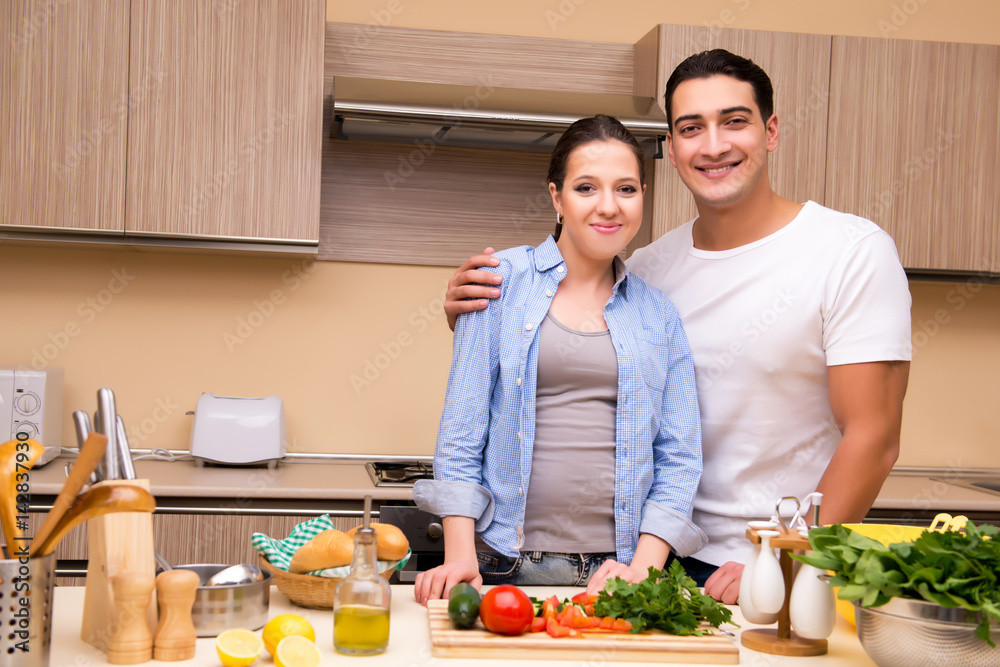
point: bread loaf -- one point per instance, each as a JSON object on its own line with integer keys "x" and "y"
{"x": 392, "y": 543}
{"x": 331, "y": 548}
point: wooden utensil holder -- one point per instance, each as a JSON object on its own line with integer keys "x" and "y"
{"x": 781, "y": 640}
{"x": 117, "y": 543}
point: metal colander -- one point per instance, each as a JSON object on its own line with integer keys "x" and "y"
{"x": 907, "y": 633}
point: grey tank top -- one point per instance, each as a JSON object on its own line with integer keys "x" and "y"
{"x": 571, "y": 492}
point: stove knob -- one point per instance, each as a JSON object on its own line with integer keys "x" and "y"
{"x": 435, "y": 531}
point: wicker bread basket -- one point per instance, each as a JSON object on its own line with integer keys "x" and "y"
{"x": 307, "y": 590}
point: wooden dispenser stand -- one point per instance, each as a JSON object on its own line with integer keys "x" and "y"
{"x": 118, "y": 543}
{"x": 781, "y": 640}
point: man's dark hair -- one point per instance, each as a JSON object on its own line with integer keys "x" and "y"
{"x": 721, "y": 62}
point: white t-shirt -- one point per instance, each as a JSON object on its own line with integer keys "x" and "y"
{"x": 764, "y": 321}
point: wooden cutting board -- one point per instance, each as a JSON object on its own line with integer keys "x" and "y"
{"x": 449, "y": 642}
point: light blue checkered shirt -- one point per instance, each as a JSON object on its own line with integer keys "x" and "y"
{"x": 482, "y": 462}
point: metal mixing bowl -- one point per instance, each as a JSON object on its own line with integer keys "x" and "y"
{"x": 905, "y": 633}
{"x": 218, "y": 608}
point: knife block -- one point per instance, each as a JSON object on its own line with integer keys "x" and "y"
{"x": 118, "y": 543}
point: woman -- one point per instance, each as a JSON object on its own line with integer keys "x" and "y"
{"x": 570, "y": 440}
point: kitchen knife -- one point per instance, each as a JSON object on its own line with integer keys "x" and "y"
{"x": 124, "y": 451}
{"x": 108, "y": 427}
{"x": 81, "y": 424}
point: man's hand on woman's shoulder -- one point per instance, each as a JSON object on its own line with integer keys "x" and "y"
{"x": 469, "y": 289}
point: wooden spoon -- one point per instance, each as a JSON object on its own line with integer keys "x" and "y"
{"x": 16, "y": 458}
{"x": 95, "y": 502}
{"x": 91, "y": 452}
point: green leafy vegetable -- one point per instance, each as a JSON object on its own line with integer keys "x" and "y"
{"x": 668, "y": 600}
{"x": 951, "y": 569}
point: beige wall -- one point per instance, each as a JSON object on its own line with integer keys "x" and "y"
{"x": 175, "y": 325}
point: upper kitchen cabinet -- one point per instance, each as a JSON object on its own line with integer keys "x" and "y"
{"x": 914, "y": 146}
{"x": 469, "y": 170}
{"x": 799, "y": 68}
{"x": 225, "y": 120}
{"x": 63, "y": 114}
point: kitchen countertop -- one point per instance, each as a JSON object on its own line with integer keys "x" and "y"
{"x": 409, "y": 638}
{"x": 917, "y": 490}
{"x": 926, "y": 490}
{"x": 289, "y": 480}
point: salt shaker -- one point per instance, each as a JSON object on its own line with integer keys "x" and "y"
{"x": 131, "y": 642}
{"x": 175, "y": 634}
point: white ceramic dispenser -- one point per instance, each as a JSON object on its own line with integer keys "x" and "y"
{"x": 747, "y": 606}
{"x": 767, "y": 585}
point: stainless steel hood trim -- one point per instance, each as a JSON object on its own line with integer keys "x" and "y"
{"x": 478, "y": 118}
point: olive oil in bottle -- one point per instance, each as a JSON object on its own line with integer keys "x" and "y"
{"x": 361, "y": 600}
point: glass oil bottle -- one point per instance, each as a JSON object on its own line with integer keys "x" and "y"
{"x": 361, "y": 600}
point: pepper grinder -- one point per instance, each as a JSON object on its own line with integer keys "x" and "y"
{"x": 361, "y": 599}
{"x": 130, "y": 640}
{"x": 175, "y": 634}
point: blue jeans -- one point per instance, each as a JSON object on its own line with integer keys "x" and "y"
{"x": 698, "y": 570}
{"x": 540, "y": 568}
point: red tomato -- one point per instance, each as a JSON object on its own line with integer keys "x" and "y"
{"x": 506, "y": 610}
{"x": 538, "y": 624}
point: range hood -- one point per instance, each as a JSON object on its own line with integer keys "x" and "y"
{"x": 480, "y": 117}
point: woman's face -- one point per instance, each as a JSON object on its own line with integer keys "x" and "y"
{"x": 601, "y": 200}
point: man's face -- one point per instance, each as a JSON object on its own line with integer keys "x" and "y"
{"x": 719, "y": 143}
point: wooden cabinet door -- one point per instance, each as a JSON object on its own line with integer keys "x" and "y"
{"x": 225, "y": 119}
{"x": 914, "y": 146}
{"x": 63, "y": 114}
{"x": 799, "y": 68}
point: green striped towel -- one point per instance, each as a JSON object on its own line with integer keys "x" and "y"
{"x": 279, "y": 552}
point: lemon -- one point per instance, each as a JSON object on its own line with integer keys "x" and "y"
{"x": 238, "y": 648}
{"x": 286, "y": 625}
{"x": 297, "y": 651}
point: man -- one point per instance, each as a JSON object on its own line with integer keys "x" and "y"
{"x": 797, "y": 316}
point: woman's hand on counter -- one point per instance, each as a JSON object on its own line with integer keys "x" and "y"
{"x": 435, "y": 583}
{"x": 724, "y": 584}
{"x": 610, "y": 569}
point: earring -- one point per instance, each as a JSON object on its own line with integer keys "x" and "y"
{"x": 559, "y": 218}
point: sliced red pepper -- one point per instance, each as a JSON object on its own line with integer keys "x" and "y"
{"x": 584, "y": 622}
{"x": 538, "y": 624}
{"x": 549, "y": 607}
{"x": 568, "y": 614}
{"x": 583, "y": 599}
{"x": 555, "y": 629}
{"x": 621, "y": 625}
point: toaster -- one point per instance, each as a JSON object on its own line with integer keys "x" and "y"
{"x": 230, "y": 430}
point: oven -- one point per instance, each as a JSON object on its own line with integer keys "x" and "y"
{"x": 425, "y": 534}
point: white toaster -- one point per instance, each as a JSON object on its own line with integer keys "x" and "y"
{"x": 238, "y": 431}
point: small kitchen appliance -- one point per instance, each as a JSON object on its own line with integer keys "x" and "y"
{"x": 230, "y": 430}
{"x": 31, "y": 403}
